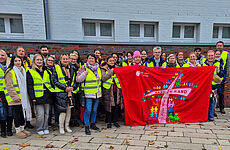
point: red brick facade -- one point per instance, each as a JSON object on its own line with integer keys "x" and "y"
{"x": 84, "y": 49}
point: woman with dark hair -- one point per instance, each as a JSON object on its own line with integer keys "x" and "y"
{"x": 164, "y": 55}
{"x": 115, "y": 57}
{"x": 144, "y": 56}
{"x": 15, "y": 78}
{"x": 64, "y": 80}
{"x": 79, "y": 62}
{"x": 112, "y": 95}
{"x": 129, "y": 59}
{"x": 6, "y": 112}
{"x": 90, "y": 75}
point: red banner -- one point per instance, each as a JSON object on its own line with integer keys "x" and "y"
{"x": 153, "y": 95}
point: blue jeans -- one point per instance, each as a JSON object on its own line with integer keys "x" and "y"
{"x": 5, "y": 111}
{"x": 211, "y": 108}
{"x": 91, "y": 106}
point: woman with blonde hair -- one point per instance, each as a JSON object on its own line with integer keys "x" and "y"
{"x": 39, "y": 88}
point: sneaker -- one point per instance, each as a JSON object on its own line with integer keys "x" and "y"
{"x": 27, "y": 133}
{"x": 116, "y": 125}
{"x": 41, "y": 133}
{"x": 46, "y": 132}
{"x": 109, "y": 125}
{"x": 21, "y": 135}
{"x": 93, "y": 126}
{"x": 87, "y": 131}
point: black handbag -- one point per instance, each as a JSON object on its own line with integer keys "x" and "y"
{"x": 81, "y": 96}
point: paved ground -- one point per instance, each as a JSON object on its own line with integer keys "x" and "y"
{"x": 198, "y": 136}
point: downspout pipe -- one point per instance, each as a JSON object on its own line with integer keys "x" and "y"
{"x": 46, "y": 15}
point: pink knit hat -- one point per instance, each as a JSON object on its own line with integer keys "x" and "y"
{"x": 136, "y": 54}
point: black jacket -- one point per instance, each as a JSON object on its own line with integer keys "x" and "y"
{"x": 62, "y": 97}
{"x": 45, "y": 99}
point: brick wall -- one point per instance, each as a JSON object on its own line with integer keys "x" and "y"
{"x": 84, "y": 49}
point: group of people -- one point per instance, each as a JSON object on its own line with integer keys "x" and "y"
{"x": 69, "y": 89}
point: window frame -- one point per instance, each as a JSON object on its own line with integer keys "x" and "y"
{"x": 8, "y": 32}
{"x": 142, "y": 38}
{"x": 98, "y": 37}
{"x": 182, "y": 32}
{"x": 220, "y": 32}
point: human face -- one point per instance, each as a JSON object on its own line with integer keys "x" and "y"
{"x": 143, "y": 55}
{"x": 73, "y": 59}
{"x": 192, "y": 58}
{"x": 164, "y": 55}
{"x": 211, "y": 56}
{"x": 217, "y": 55}
{"x": 76, "y": 53}
{"x": 157, "y": 53}
{"x": 17, "y": 62}
{"x": 180, "y": 56}
{"x": 197, "y": 52}
{"x": 130, "y": 57}
{"x": 137, "y": 59}
{"x": 172, "y": 60}
{"x": 115, "y": 57}
{"x": 50, "y": 61}
{"x": 2, "y": 57}
{"x": 21, "y": 52}
{"x": 91, "y": 60}
{"x": 111, "y": 61}
{"x": 38, "y": 61}
{"x": 97, "y": 54}
{"x": 64, "y": 60}
{"x": 44, "y": 51}
{"x": 219, "y": 46}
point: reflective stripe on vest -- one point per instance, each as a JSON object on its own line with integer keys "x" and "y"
{"x": 15, "y": 86}
{"x": 215, "y": 72}
{"x": 107, "y": 84}
{"x": 61, "y": 78}
{"x": 92, "y": 84}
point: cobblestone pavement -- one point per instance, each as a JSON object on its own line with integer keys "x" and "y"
{"x": 198, "y": 136}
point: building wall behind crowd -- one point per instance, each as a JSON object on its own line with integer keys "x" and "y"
{"x": 84, "y": 49}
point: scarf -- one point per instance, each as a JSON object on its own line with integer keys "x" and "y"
{"x": 111, "y": 67}
{"x": 20, "y": 73}
{"x": 94, "y": 68}
{"x": 4, "y": 67}
{"x": 191, "y": 65}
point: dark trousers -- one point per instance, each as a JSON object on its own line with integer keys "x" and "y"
{"x": 220, "y": 92}
{"x": 18, "y": 116}
{"x": 112, "y": 117}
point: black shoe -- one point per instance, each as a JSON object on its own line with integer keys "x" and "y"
{"x": 76, "y": 123}
{"x": 87, "y": 131}
{"x": 28, "y": 125}
{"x": 3, "y": 128}
{"x": 222, "y": 111}
{"x": 116, "y": 125}
{"x": 109, "y": 125}
{"x": 93, "y": 126}
{"x": 9, "y": 126}
{"x": 215, "y": 115}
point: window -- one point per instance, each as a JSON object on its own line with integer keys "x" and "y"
{"x": 11, "y": 26}
{"x": 184, "y": 32}
{"x": 221, "y": 32}
{"x": 142, "y": 31}
{"x": 98, "y": 30}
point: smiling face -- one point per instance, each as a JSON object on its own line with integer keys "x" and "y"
{"x": 44, "y": 51}
{"x": 91, "y": 60}
{"x": 211, "y": 56}
{"x": 2, "y": 57}
{"x": 50, "y": 61}
{"x": 218, "y": 54}
{"x": 219, "y": 46}
{"x": 130, "y": 57}
{"x": 180, "y": 56}
{"x": 143, "y": 55}
{"x": 192, "y": 58}
{"x": 21, "y": 52}
{"x": 115, "y": 57}
{"x": 64, "y": 60}
{"x": 111, "y": 61}
{"x": 172, "y": 60}
{"x": 17, "y": 62}
{"x": 137, "y": 59}
{"x": 157, "y": 53}
{"x": 38, "y": 61}
{"x": 73, "y": 59}
{"x": 97, "y": 54}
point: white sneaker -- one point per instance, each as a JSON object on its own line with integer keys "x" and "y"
{"x": 68, "y": 129}
{"x": 40, "y": 133}
{"x": 46, "y": 132}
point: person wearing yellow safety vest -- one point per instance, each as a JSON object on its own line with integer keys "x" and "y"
{"x": 98, "y": 56}
{"x": 90, "y": 75}
{"x": 64, "y": 80}
{"x": 200, "y": 59}
{"x": 192, "y": 61}
{"x": 180, "y": 58}
{"x": 129, "y": 59}
{"x": 157, "y": 60}
{"x": 39, "y": 87}
{"x": 144, "y": 56}
{"x": 50, "y": 62}
{"x": 76, "y": 110}
{"x": 17, "y": 96}
{"x": 218, "y": 73}
{"x": 6, "y": 111}
{"x": 226, "y": 61}
{"x": 112, "y": 95}
{"x": 136, "y": 58}
{"x": 171, "y": 62}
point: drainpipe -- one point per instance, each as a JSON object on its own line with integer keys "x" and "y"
{"x": 46, "y": 15}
